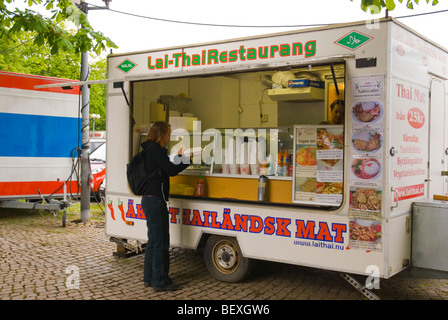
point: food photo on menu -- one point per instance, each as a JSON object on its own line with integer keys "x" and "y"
{"x": 367, "y": 140}
{"x": 368, "y": 168}
{"x": 367, "y": 111}
{"x": 364, "y": 230}
{"x": 366, "y": 199}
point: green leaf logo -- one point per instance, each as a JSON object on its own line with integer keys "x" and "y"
{"x": 126, "y": 66}
{"x": 353, "y": 40}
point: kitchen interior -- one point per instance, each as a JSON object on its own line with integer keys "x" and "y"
{"x": 258, "y": 108}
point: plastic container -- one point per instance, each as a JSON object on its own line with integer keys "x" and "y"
{"x": 262, "y": 185}
{"x": 199, "y": 192}
{"x": 280, "y": 160}
{"x": 286, "y": 163}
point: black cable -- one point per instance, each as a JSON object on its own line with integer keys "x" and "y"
{"x": 250, "y": 26}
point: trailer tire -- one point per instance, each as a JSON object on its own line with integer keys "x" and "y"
{"x": 224, "y": 259}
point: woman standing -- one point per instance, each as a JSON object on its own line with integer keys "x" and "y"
{"x": 154, "y": 203}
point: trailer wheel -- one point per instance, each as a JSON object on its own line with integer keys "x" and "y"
{"x": 224, "y": 260}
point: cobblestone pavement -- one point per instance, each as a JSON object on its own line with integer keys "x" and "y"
{"x": 39, "y": 259}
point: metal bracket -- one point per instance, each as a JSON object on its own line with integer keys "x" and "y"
{"x": 362, "y": 289}
{"x": 126, "y": 249}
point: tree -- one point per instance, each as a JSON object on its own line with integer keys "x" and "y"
{"x": 98, "y": 92}
{"x": 375, "y": 6}
{"x": 23, "y": 56}
{"x": 47, "y": 29}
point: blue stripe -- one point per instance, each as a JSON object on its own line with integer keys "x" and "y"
{"x": 24, "y": 135}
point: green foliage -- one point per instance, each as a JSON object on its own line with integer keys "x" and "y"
{"x": 23, "y": 56}
{"x": 83, "y": 39}
{"x": 375, "y": 6}
{"x": 98, "y": 71}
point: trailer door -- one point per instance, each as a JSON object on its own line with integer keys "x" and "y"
{"x": 437, "y": 143}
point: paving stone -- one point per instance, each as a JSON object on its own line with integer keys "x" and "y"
{"x": 35, "y": 252}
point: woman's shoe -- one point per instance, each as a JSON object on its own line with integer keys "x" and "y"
{"x": 168, "y": 287}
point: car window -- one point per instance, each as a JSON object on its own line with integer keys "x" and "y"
{"x": 99, "y": 152}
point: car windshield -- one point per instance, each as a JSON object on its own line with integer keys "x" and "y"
{"x": 98, "y": 152}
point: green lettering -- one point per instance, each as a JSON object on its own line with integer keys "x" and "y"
{"x": 274, "y": 49}
{"x": 150, "y": 67}
{"x": 251, "y": 54}
{"x": 233, "y": 56}
{"x": 176, "y": 57}
{"x": 196, "y": 60}
{"x": 297, "y": 48}
{"x": 185, "y": 60}
{"x": 284, "y": 50}
{"x": 310, "y": 48}
{"x": 242, "y": 51}
{"x": 159, "y": 63}
{"x": 223, "y": 57}
{"x": 212, "y": 56}
{"x": 263, "y": 52}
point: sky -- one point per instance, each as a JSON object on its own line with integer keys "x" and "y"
{"x": 133, "y": 33}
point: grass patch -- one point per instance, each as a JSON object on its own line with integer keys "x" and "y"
{"x": 36, "y": 218}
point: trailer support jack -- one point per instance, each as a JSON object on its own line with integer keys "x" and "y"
{"x": 126, "y": 249}
{"x": 358, "y": 286}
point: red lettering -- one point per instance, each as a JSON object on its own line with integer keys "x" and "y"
{"x": 282, "y": 225}
{"x": 196, "y": 221}
{"x": 324, "y": 232}
{"x": 173, "y": 212}
{"x": 227, "y": 222}
{"x": 305, "y": 231}
{"x": 241, "y": 222}
{"x": 140, "y": 212}
{"x": 206, "y": 219}
{"x": 256, "y": 224}
{"x": 186, "y": 216}
{"x": 339, "y": 229}
{"x": 269, "y": 225}
{"x": 131, "y": 211}
{"x": 214, "y": 223}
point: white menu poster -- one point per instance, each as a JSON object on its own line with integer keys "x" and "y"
{"x": 366, "y": 164}
{"x": 318, "y": 165}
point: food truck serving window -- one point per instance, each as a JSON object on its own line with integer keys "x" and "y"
{"x": 287, "y": 126}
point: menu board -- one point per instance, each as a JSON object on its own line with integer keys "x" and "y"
{"x": 318, "y": 165}
{"x": 366, "y": 163}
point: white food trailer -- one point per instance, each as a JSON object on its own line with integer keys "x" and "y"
{"x": 358, "y": 109}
